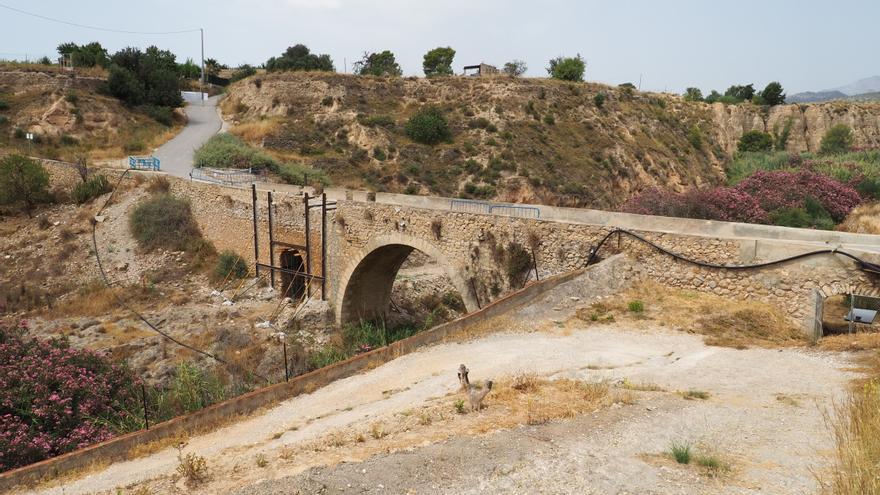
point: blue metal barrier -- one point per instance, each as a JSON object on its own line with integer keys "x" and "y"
{"x": 143, "y": 163}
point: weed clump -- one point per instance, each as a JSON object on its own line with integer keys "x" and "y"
{"x": 90, "y": 189}
{"x": 164, "y": 222}
{"x": 681, "y": 452}
{"x": 230, "y": 265}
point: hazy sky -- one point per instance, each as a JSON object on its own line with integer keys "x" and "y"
{"x": 806, "y": 44}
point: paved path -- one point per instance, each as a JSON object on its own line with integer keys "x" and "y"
{"x": 203, "y": 121}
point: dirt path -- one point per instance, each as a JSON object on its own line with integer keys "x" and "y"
{"x": 770, "y": 443}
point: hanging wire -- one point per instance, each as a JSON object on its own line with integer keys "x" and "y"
{"x": 97, "y": 28}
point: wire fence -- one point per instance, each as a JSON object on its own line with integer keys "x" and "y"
{"x": 486, "y": 208}
{"x": 225, "y": 177}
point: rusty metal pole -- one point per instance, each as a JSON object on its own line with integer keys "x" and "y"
{"x": 286, "y": 372}
{"x": 308, "y": 247}
{"x": 271, "y": 243}
{"x": 144, "y": 399}
{"x": 535, "y": 264}
{"x": 256, "y": 240}
{"x": 476, "y": 295}
{"x": 323, "y": 246}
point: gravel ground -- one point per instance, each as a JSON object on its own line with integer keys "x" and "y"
{"x": 763, "y": 419}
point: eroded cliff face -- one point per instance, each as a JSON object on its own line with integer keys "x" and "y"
{"x": 807, "y": 123}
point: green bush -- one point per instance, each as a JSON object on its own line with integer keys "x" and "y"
{"x": 242, "y": 72}
{"x": 567, "y": 68}
{"x": 230, "y": 265}
{"x": 599, "y": 100}
{"x": 636, "y": 306}
{"x": 90, "y": 189}
{"x": 294, "y": 173}
{"x": 746, "y": 163}
{"x": 299, "y": 57}
{"x": 693, "y": 94}
{"x": 19, "y": 133}
{"x": 377, "y": 121}
{"x": 23, "y": 180}
{"x": 164, "y": 222}
{"x": 134, "y": 146}
{"x": 228, "y": 151}
{"x": 772, "y": 94}
{"x": 4, "y": 105}
{"x": 518, "y": 261}
{"x": 695, "y": 136}
{"x": 162, "y": 115}
{"x": 838, "y": 139}
{"x": 3, "y": 119}
{"x": 755, "y": 141}
{"x": 438, "y": 62}
{"x": 428, "y": 126}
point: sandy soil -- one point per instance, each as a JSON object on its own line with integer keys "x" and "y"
{"x": 763, "y": 419}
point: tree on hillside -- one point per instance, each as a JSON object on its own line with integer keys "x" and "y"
{"x": 189, "y": 69}
{"x": 693, "y": 94}
{"x": 377, "y": 64}
{"x": 838, "y": 139}
{"x": 772, "y": 94}
{"x": 567, "y": 68}
{"x": 149, "y": 77}
{"x": 741, "y": 93}
{"x": 755, "y": 141}
{"x": 299, "y": 57}
{"x": 438, "y": 62}
{"x": 515, "y": 68}
{"x": 88, "y": 55}
{"x": 713, "y": 97}
{"x": 242, "y": 72}
{"x": 23, "y": 180}
{"x": 212, "y": 67}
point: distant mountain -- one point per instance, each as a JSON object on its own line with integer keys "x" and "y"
{"x": 862, "y": 86}
{"x": 815, "y": 96}
{"x": 862, "y": 90}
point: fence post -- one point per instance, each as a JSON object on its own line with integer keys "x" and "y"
{"x": 286, "y": 372}
{"x": 256, "y": 246}
{"x": 535, "y": 264}
{"x": 308, "y": 246}
{"x": 271, "y": 242}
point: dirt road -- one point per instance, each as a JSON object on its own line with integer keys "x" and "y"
{"x": 763, "y": 417}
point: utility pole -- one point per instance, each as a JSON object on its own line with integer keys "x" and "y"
{"x": 202, "y": 81}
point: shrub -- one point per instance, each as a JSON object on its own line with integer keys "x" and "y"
{"x": 514, "y": 68}
{"x": 681, "y": 452}
{"x": 3, "y": 119}
{"x": 55, "y": 399}
{"x": 299, "y": 57}
{"x": 720, "y": 203}
{"x": 228, "y": 151}
{"x": 164, "y": 222}
{"x": 242, "y": 72}
{"x": 838, "y": 139}
{"x": 438, "y": 62}
{"x": 90, "y": 189}
{"x": 567, "y": 68}
{"x": 377, "y": 121}
{"x": 781, "y": 189}
{"x": 636, "y": 306}
{"x": 695, "y": 136}
{"x": 162, "y": 115}
{"x": 428, "y": 126}
{"x": 23, "y": 180}
{"x": 517, "y": 262}
{"x": 70, "y": 97}
{"x": 134, "y": 146}
{"x": 693, "y": 94}
{"x": 193, "y": 468}
{"x": 19, "y": 133}
{"x": 4, "y": 105}
{"x": 303, "y": 175}
{"x": 755, "y": 141}
{"x": 549, "y": 119}
{"x": 230, "y": 264}
{"x": 599, "y": 100}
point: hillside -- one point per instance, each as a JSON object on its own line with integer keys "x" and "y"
{"x": 521, "y": 140}
{"x": 68, "y": 114}
{"x": 524, "y": 140}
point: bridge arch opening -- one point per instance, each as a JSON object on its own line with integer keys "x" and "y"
{"x": 402, "y": 281}
{"x": 293, "y": 285}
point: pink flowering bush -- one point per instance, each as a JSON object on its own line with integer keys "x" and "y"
{"x": 781, "y": 189}
{"x": 55, "y": 399}
{"x": 719, "y": 203}
{"x": 759, "y": 198}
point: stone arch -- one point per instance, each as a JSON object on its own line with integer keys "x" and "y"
{"x": 838, "y": 288}
{"x": 365, "y": 284}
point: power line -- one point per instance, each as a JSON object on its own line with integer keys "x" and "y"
{"x": 97, "y": 28}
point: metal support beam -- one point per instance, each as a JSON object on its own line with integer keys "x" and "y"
{"x": 324, "y": 246}
{"x": 256, "y": 240}
{"x": 271, "y": 241}
{"x": 308, "y": 243}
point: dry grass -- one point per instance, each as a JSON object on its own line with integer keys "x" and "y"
{"x": 641, "y": 386}
{"x": 864, "y": 219}
{"x": 856, "y": 428}
{"x": 850, "y": 342}
{"x": 193, "y": 468}
{"x": 723, "y": 322}
{"x": 255, "y": 131}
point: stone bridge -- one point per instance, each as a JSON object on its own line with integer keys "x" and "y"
{"x": 488, "y": 250}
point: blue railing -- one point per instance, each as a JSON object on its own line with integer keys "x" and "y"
{"x": 143, "y": 163}
{"x": 470, "y": 206}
